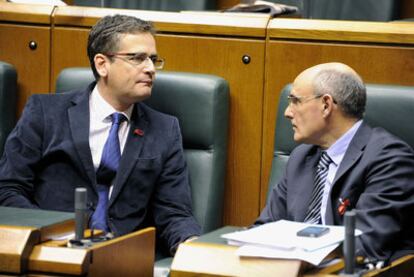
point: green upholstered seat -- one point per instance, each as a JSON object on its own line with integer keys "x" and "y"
{"x": 201, "y": 104}
{"x": 8, "y": 96}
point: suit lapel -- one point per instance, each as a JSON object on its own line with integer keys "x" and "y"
{"x": 352, "y": 155}
{"x": 132, "y": 150}
{"x": 354, "y": 151}
{"x": 79, "y": 125}
{"x": 307, "y": 178}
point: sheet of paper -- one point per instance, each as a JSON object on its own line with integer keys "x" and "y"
{"x": 66, "y": 236}
{"x": 313, "y": 257}
{"x": 282, "y": 234}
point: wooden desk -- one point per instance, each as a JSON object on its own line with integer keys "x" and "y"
{"x": 211, "y": 256}
{"x": 199, "y": 259}
{"x": 129, "y": 255}
{"x": 27, "y": 247}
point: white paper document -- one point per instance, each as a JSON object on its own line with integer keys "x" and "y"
{"x": 279, "y": 240}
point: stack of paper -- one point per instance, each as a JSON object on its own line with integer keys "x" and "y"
{"x": 279, "y": 240}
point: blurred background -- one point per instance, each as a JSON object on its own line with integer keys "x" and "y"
{"x": 367, "y": 10}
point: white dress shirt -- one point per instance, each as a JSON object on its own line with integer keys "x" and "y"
{"x": 99, "y": 125}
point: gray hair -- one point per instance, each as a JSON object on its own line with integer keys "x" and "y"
{"x": 346, "y": 88}
{"x": 104, "y": 35}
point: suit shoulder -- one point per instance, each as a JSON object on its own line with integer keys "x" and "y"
{"x": 153, "y": 114}
{"x": 382, "y": 137}
{"x": 55, "y": 97}
{"x": 304, "y": 150}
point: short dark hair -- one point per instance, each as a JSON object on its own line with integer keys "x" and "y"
{"x": 347, "y": 88}
{"x": 104, "y": 35}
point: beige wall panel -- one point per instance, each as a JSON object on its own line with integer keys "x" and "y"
{"x": 385, "y": 64}
{"x": 32, "y": 65}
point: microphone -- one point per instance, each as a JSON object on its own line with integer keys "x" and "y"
{"x": 349, "y": 242}
{"x": 80, "y": 213}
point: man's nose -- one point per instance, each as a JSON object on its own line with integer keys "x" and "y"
{"x": 149, "y": 66}
{"x": 288, "y": 112}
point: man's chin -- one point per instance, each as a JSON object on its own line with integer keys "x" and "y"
{"x": 297, "y": 138}
{"x": 142, "y": 95}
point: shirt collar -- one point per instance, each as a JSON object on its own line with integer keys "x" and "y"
{"x": 102, "y": 109}
{"x": 337, "y": 150}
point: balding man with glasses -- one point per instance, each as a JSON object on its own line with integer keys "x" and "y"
{"x": 128, "y": 156}
{"x": 343, "y": 164}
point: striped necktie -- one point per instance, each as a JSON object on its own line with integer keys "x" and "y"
{"x": 111, "y": 155}
{"x": 313, "y": 215}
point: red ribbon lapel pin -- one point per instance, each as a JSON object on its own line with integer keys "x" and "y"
{"x": 343, "y": 205}
{"x": 139, "y": 132}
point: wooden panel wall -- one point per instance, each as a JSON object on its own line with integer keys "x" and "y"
{"x": 32, "y": 65}
{"x": 225, "y": 4}
{"x": 380, "y": 52}
{"x": 407, "y": 9}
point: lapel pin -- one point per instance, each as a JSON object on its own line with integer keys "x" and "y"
{"x": 139, "y": 132}
{"x": 343, "y": 205}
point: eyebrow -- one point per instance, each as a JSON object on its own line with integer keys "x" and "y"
{"x": 133, "y": 53}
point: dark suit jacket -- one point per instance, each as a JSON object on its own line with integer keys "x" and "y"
{"x": 376, "y": 175}
{"x": 47, "y": 156}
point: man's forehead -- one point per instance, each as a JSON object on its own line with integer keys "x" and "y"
{"x": 138, "y": 41}
{"x": 301, "y": 87}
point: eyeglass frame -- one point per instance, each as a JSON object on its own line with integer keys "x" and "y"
{"x": 294, "y": 100}
{"x": 153, "y": 58}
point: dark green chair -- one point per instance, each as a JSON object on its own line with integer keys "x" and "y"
{"x": 8, "y": 97}
{"x": 201, "y": 104}
{"x": 391, "y": 107}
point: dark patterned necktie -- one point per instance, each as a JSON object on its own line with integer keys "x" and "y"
{"x": 313, "y": 215}
{"x": 111, "y": 155}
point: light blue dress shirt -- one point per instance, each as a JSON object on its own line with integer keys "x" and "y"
{"x": 336, "y": 152}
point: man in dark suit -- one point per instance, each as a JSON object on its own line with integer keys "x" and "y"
{"x": 366, "y": 169}
{"x": 59, "y": 141}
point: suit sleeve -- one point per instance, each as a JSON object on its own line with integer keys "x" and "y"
{"x": 172, "y": 199}
{"x": 386, "y": 205}
{"x": 275, "y": 208}
{"x": 22, "y": 152}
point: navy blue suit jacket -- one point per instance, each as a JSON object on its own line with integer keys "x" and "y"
{"x": 376, "y": 175}
{"x": 47, "y": 156}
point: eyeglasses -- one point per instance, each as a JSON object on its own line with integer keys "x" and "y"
{"x": 138, "y": 58}
{"x": 295, "y": 100}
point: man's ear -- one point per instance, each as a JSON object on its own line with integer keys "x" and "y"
{"x": 101, "y": 64}
{"x": 328, "y": 104}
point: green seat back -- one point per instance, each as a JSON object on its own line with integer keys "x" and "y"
{"x": 8, "y": 101}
